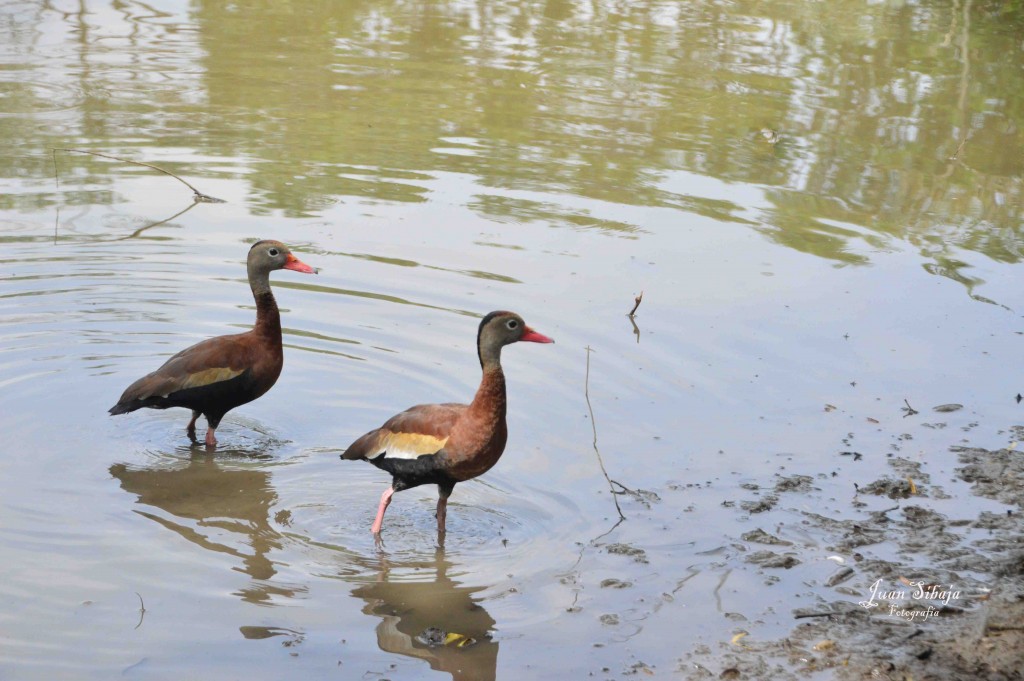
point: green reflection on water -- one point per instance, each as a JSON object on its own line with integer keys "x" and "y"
{"x": 903, "y": 119}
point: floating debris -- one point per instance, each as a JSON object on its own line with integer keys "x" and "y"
{"x": 434, "y": 637}
{"x": 944, "y": 408}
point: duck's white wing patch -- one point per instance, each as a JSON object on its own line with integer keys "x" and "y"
{"x": 407, "y": 446}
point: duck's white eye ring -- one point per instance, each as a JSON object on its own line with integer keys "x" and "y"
{"x": 511, "y": 323}
{"x": 273, "y": 252}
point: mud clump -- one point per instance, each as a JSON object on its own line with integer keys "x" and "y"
{"x": 759, "y": 536}
{"x": 889, "y": 487}
{"x": 770, "y": 559}
{"x": 639, "y": 555}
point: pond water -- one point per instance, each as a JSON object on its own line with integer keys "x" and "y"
{"x": 821, "y": 203}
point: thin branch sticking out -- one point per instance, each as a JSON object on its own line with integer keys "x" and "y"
{"x": 910, "y": 411}
{"x": 198, "y": 195}
{"x": 636, "y": 304}
{"x": 593, "y": 425}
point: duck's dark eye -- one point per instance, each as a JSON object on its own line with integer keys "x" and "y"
{"x": 511, "y": 323}
{"x": 274, "y": 252}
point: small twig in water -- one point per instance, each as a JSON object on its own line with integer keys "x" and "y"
{"x": 910, "y": 410}
{"x": 199, "y": 196}
{"x": 636, "y": 304}
{"x": 593, "y": 425}
{"x": 142, "y": 610}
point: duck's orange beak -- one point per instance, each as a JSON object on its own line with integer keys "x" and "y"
{"x": 293, "y": 263}
{"x": 531, "y": 336}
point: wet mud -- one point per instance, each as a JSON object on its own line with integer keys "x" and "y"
{"x": 918, "y": 594}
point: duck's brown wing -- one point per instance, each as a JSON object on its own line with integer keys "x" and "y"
{"x": 207, "y": 363}
{"x": 417, "y": 431}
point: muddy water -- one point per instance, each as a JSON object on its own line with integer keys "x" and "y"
{"x": 820, "y": 202}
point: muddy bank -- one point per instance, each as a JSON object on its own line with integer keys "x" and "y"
{"x": 948, "y": 606}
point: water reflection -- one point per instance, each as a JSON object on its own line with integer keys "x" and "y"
{"x": 224, "y": 506}
{"x": 896, "y": 120}
{"x": 216, "y": 506}
{"x": 434, "y": 619}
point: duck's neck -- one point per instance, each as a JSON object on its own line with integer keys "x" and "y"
{"x": 489, "y": 401}
{"x": 268, "y": 317}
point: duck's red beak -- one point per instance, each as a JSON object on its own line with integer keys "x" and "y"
{"x": 293, "y": 263}
{"x": 531, "y": 336}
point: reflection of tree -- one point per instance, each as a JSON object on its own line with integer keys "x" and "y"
{"x": 898, "y": 120}
{"x": 600, "y": 100}
{"x": 221, "y": 509}
{"x": 408, "y": 606}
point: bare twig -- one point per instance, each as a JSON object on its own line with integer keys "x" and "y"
{"x": 593, "y": 425}
{"x": 142, "y": 610}
{"x": 910, "y": 410}
{"x": 636, "y": 304}
{"x": 198, "y": 195}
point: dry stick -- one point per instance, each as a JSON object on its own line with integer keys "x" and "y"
{"x": 199, "y": 196}
{"x": 593, "y": 425}
{"x": 910, "y": 410}
{"x": 636, "y": 304}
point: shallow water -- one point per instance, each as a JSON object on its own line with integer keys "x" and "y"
{"x": 438, "y": 162}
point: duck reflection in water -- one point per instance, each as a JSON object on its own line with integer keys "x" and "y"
{"x": 219, "y": 506}
{"x": 439, "y": 621}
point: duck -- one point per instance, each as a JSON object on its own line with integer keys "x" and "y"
{"x": 445, "y": 444}
{"x": 218, "y": 374}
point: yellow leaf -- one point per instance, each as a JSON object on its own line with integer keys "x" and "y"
{"x": 913, "y": 487}
{"x": 737, "y": 637}
{"x": 458, "y": 640}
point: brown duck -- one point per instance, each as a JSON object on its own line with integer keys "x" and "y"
{"x": 218, "y": 374}
{"x": 443, "y": 444}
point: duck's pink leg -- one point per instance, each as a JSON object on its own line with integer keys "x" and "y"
{"x": 211, "y": 441}
{"x": 442, "y": 513}
{"x": 385, "y": 500}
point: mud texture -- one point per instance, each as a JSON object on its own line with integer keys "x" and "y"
{"x": 921, "y": 631}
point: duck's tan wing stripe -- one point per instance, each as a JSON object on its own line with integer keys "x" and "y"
{"x": 406, "y": 445}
